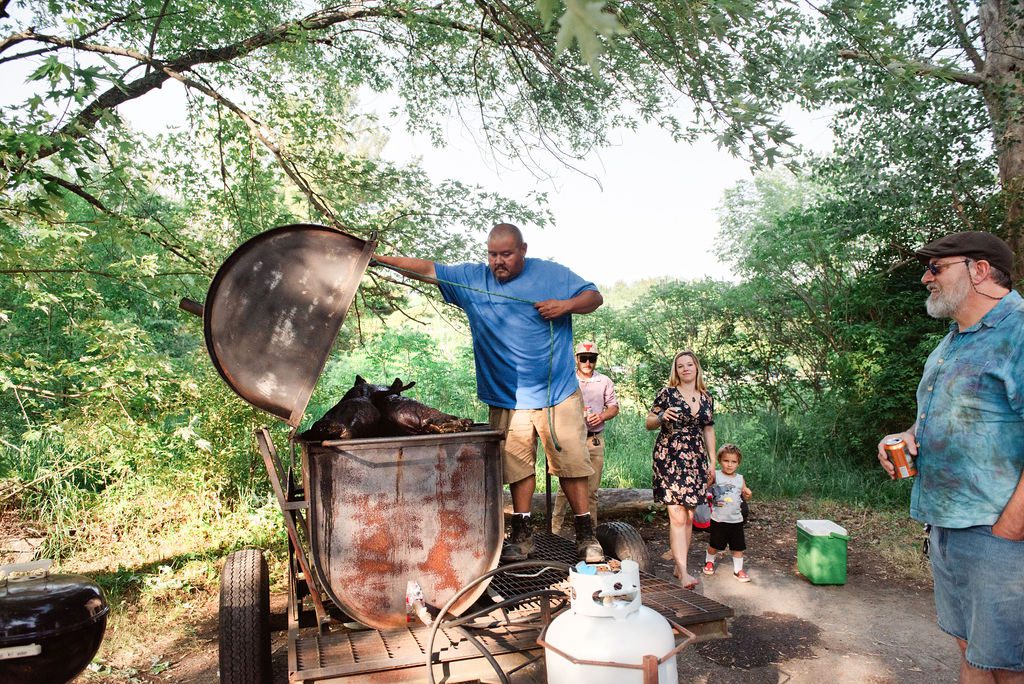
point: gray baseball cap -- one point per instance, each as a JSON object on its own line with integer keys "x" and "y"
{"x": 973, "y": 244}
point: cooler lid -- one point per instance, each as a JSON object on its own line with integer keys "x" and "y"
{"x": 274, "y": 310}
{"x": 821, "y": 528}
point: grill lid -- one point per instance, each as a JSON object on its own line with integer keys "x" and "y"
{"x": 35, "y": 604}
{"x": 274, "y": 310}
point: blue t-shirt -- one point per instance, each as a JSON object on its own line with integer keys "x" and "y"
{"x": 512, "y": 344}
{"x": 970, "y": 421}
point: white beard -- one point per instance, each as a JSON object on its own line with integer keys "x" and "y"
{"x": 944, "y": 303}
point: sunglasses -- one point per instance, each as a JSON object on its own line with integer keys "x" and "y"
{"x": 587, "y": 358}
{"x": 936, "y": 269}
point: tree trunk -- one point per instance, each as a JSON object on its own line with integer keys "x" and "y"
{"x": 1003, "y": 40}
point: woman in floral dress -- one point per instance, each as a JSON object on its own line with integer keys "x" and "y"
{"x": 684, "y": 453}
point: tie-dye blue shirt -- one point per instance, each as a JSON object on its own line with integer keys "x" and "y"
{"x": 970, "y": 421}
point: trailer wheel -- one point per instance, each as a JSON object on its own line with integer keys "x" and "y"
{"x": 621, "y": 540}
{"x": 244, "y": 619}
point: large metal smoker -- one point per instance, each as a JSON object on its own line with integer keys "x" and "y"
{"x": 367, "y": 518}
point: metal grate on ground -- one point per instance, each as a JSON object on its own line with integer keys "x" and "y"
{"x": 668, "y": 598}
{"x": 344, "y": 653}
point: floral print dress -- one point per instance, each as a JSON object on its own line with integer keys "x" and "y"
{"x": 680, "y": 455}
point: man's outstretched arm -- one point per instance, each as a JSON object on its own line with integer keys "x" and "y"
{"x": 420, "y": 269}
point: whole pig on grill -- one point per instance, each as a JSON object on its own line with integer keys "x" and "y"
{"x": 354, "y": 416}
{"x": 369, "y": 410}
{"x": 409, "y": 417}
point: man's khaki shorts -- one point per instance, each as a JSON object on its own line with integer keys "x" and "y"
{"x": 521, "y": 428}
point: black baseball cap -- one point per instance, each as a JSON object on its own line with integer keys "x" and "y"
{"x": 973, "y": 244}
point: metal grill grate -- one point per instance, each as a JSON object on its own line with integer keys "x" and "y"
{"x": 679, "y": 605}
{"x": 345, "y": 653}
{"x": 340, "y": 654}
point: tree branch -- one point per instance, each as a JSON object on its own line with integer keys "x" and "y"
{"x": 55, "y": 395}
{"x": 91, "y": 199}
{"x": 965, "y": 39}
{"x": 31, "y": 34}
{"x": 88, "y": 271}
{"x": 263, "y": 134}
{"x": 77, "y": 190}
{"x": 176, "y": 247}
{"x": 922, "y": 68}
{"x": 156, "y": 28}
{"x": 285, "y": 32}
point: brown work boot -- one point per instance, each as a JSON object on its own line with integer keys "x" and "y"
{"x": 588, "y": 549}
{"x": 519, "y": 544}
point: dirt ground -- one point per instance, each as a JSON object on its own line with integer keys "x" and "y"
{"x": 879, "y": 627}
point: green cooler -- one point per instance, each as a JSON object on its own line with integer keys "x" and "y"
{"x": 821, "y": 551}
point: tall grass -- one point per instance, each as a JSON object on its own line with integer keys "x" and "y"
{"x": 783, "y": 457}
{"x": 150, "y": 534}
{"x": 86, "y": 508}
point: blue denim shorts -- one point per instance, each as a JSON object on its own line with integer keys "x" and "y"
{"x": 979, "y": 594}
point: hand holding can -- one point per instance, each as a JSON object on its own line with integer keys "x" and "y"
{"x": 896, "y": 454}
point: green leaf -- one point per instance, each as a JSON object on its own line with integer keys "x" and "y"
{"x": 583, "y": 22}
{"x": 546, "y": 9}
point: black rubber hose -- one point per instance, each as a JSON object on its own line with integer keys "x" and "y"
{"x": 521, "y": 565}
{"x": 485, "y": 653}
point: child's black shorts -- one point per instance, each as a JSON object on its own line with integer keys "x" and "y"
{"x": 729, "y": 535}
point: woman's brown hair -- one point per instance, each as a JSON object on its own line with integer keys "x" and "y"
{"x": 673, "y": 378}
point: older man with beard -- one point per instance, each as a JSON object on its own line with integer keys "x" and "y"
{"x": 968, "y": 440}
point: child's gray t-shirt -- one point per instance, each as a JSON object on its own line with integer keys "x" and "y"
{"x": 727, "y": 492}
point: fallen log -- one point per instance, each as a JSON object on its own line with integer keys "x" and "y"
{"x": 611, "y": 503}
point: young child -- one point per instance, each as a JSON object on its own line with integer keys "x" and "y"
{"x": 729, "y": 491}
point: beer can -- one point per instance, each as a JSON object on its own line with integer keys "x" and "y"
{"x": 902, "y": 461}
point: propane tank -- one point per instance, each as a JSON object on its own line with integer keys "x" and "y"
{"x": 607, "y": 626}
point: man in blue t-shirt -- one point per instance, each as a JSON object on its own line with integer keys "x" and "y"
{"x": 968, "y": 440}
{"x": 520, "y": 314}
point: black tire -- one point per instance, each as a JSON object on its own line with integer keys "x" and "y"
{"x": 244, "y": 619}
{"x": 621, "y": 540}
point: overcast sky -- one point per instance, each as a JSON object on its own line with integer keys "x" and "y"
{"x": 653, "y": 214}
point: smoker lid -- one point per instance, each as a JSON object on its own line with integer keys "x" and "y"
{"x": 35, "y": 604}
{"x": 274, "y": 310}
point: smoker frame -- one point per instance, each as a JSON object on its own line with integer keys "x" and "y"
{"x": 317, "y": 621}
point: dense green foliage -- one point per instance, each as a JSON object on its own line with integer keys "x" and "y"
{"x": 107, "y": 399}
{"x": 122, "y": 446}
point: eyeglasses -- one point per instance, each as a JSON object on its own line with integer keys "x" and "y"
{"x": 587, "y": 358}
{"x": 936, "y": 269}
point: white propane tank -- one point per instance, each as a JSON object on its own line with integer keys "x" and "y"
{"x": 608, "y": 624}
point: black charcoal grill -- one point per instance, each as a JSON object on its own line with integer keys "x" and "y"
{"x": 50, "y": 625}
